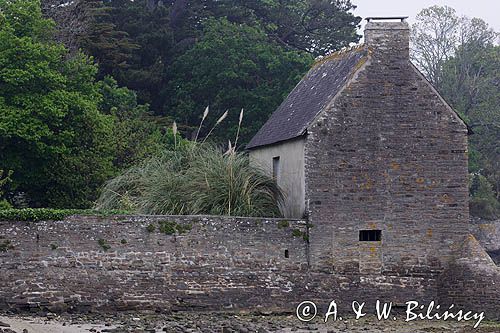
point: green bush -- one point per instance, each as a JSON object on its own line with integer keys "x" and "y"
{"x": 4, "y": 204}
{"x": 197, "y": 179}
{"x": 5, "y": 246}
{"x": 483, "y": 202}
{"x": 4, "y": 180}
{"x": 484, "y": 208}
{"x": 48, "y": 214}
{"x": 103, "y": 244}
{"x": 171, "y": 227}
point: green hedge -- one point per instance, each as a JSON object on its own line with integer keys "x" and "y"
{"x": 49, "y": 214}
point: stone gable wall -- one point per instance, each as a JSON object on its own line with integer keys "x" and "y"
{"x": 387, "y": 154}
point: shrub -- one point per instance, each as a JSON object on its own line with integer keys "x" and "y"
{"x": 171, "y": 227}
{"x": 4, "y": 204}
{"x": 483, "y": 202}
{"x": 196, "y": 179}
{"x": 4, "y": 180}
{"x": 5, "y": 246}
{"x": 48, "y": 214}
{"x": 283, "y": 224}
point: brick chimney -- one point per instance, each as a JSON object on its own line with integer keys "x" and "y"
{"x": 388, "y": 37}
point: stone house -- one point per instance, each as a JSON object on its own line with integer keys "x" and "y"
{"x": 372, "y": 155}
{"x": 364, "y": 147}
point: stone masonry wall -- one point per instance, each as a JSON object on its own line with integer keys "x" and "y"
{"x": 387, "y": 154}
{"x": 89, "y": 262}
{"x": 120, "y": 263}
{"x": 472, "y": 281}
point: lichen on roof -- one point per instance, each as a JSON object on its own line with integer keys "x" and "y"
{"x": 338, "y": 54}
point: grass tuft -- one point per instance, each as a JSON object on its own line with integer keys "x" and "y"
{"x": 198, "y": 179}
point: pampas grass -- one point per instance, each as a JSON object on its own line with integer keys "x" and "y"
{"x": 200, "y": 179}
{"x": 193, "y": 179}
{"x": 220, "y": 120}
{"x": 205, "y": 114}
{"x": 239, "y": 127}
{"x": 174, "y": 130}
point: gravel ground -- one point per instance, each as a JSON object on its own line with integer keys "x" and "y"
{"x": 220, "y": 323}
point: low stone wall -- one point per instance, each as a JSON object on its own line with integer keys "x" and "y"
{"x": 201, "y": 263}
{"x": 127, "y": 262}
{"x": 168, "y": 263}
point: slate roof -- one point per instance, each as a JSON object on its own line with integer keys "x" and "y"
{"x": 309, "y": 97}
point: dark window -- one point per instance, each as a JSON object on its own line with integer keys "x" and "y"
{"x": 370, "y": 235}
{"x": 276, "y": 167}
{"x": 286, "y": 254}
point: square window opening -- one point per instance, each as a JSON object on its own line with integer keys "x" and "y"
{"x": 370, "y": 235}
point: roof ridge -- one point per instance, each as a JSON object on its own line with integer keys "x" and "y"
{"x": 337, "y": 54}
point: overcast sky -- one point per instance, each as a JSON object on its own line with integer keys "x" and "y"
{"x": 488, "y": 10}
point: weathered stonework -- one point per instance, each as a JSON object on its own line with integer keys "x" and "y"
{"x": 387, "y": 154}
{"x": 215, "y": 263}
{"x": 120, "y": 263}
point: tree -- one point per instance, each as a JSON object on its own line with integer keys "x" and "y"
{"x": 136, "y": 135}
{"x": 314, "y": 26}
{"x": 483, "y": 202}
{"x": 51, "y": 131}
{"x": 112, "y": 48}
{"x": 71, "y": 21}
{"x": 147, "y": 26}
{"x": 88, "y": 25}
{"x": 232, "y": 67}
{"x": 138, "y": 41}
{"x": 436, "y": 35}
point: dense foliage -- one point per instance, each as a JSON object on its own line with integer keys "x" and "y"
{"x": 51, "y": 132}
{"x": 68, "y": 119}
{"x": 4, "y": 180}
{"x": 195, "y": 179}
{"x": 62, "y": 133}
{"x": 233, "y": 67}
{"x": 471, "y": 82}
{"x": 48, "y": 214}
{"x": 183, "y": 55}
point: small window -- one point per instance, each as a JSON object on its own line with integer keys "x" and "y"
{"x": 276, "y": 167}
{"x": 370, "y": 235}
{"x": 286, "y": 254}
